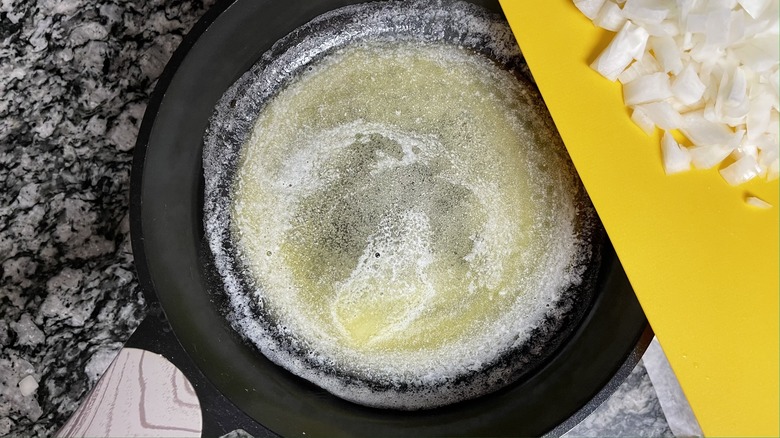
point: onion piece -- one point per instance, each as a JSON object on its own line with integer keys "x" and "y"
{"x": 590, "y": 8}
{"x": 754, "y": 7}
{"x": 717, "y": 27}
{"x": 696, "y": 23}
{"x": 704, "y": 132}
{"x": 757, "y": 120}
{"x": 741, "y": 171}
{"x": 628, "y": 44}
{"x": 774, "y": 170}
{"x": 666, "y": 28}
{"x": 737, "y": 27}
{"x": 757, "y": 202}
{"x": 645, "y": 12}
{"x": 769, "y": 162}
{"x": 745, "y": 148}
{"x": 687, "y": 87}
{"x": 644, "y": 66}
{"x": 610, "y": 17}
{"x": 645, "y": 89}
{"x": 662, "y": 115}
{"x": 737, "y": 93}
{"x": 667, "y": 53}
{"x": 710, "y": 68}
{"x": 774, "y": 125}
{"x": 731, "y": 104}
{"x": 708, "y": 156}
{"x": 760, "y": 53}
{"x": 774, "y": 82}
{"x": 640, "y": 117}
{"x": 676, "y": 158}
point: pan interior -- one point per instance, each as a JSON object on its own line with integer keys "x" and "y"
{"x": 395, "y": 218}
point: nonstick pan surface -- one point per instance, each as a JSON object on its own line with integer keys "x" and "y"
{"x": 173, "y": 266}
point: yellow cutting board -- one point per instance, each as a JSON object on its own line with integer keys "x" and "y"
{"x": 704, "y": 264}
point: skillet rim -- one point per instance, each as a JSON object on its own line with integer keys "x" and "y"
{"x": 140, "y": 246}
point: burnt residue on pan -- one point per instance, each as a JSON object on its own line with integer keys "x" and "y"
{"x": 562, "y": 297}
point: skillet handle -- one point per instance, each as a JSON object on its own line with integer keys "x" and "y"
{"x": 152, "y": 388}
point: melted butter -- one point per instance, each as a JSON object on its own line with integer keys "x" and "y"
{"x": 388, "y": 205}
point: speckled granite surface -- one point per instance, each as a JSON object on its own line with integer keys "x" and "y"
{"x": 75, "y": 77}
{"x": 632, "y": 411}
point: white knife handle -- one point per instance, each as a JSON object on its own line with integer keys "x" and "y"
{"x": 141, "y": 394}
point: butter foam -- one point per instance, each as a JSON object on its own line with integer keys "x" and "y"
{"x": 401, "y": 217}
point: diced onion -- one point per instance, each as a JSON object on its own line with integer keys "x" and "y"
{"x": 663, "y": 115}
{"x": 704, "y": 132}
{"x": 645, "y": 11}
{"x": 645, "y": 89}
{"x": 741, "y": 171}
{"x": 757, "y": 202}
{"x": 774, "y": 171}
{"x": 754, "y": 7}
{"x": 667, "y": 53}
{"x": 717, "y": 26}
{"x": 628, "y": 44}
{"x": 687, "y": 87}
{"x": 640, "y": 117}
{"x": 610, "y": 17}
{"x": 676, "y": 158}
{"x": 757, "y": 53}
{"x": 757, "y": 120}
{"x": 708, "y": 156}
{"x": 768, "y": 161}
{"x": 644, "y": 66}
{"x": 590, "y": 8}
{"x": 710, "y": 69}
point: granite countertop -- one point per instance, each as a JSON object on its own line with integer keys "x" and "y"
{"x": 75, "y": 78}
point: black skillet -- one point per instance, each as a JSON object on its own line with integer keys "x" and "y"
{"x": 237, "y": 386}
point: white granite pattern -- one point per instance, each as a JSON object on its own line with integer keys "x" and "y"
{"x": 632, "y": 411}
